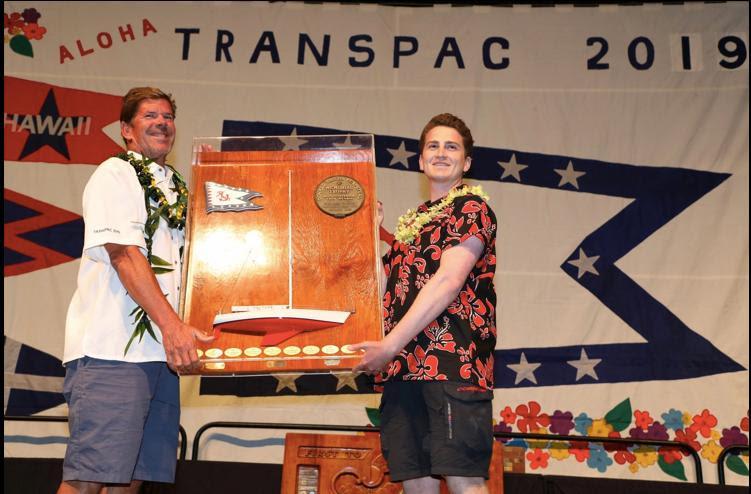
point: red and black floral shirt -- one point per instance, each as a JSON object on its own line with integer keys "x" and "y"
{"x": 458, "y": 346}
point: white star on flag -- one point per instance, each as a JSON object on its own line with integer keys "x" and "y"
{"x": 400, "y": 155}
{"x": 286, "y": 381}
{"x": 292, "y": 142}
{"x": 512, "y": 168}
{"x": 346, "y": 144}
{"x": 346, "y": 379}
{"x": 569, "y": 176}
{"x": 524, "y": 370}
{"x": 585, "y": 264}
{"x": 585, "y": 366}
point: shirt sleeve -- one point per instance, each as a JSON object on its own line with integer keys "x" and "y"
{"x": 386, "y": 261}
{"x": 113, "y": 209}
{"x": 471, "y": 217}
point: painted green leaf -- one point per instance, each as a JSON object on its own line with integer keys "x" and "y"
{"x": 374, "y": 415}
{"x": 620, "y": 416}
{"x": 21, "y": 45}
{"x": 673, "y": 469}
{"x": 737, "y": 465}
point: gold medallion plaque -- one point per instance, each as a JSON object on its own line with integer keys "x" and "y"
{"x": 339, "y": 196}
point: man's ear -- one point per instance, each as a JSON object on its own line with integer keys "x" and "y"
{"x": 126, "y": 130}
{"x": 422, "y": 165}
{"x": 467, "y": 163}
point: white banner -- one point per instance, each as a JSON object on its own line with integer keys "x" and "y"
{"x": 612, "y": 140}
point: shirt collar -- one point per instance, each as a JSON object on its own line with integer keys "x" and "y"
{"x": 159, "y": 172}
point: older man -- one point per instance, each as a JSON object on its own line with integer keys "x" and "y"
{"x": 124, "y": 342}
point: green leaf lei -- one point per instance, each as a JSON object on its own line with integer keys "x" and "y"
{"x": 411, "y": 222}
{"x": 173, "y": 214}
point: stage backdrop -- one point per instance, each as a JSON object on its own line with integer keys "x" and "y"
{"x": 613, "y": 142}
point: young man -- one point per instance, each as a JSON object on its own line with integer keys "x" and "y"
{"x": 120, "y": 384}
{"x": 436, "y": 412}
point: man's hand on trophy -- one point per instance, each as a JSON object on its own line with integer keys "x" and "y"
{"x": 375, "y": 358}
{"x": 380, "y": 214}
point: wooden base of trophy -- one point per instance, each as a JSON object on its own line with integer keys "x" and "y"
{"x": 339, "y": 464}
{"x": 292, "y": 282}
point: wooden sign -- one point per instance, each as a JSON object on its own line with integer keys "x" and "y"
{"x": 339, "y": 464}
{"x": 282, "y": 258}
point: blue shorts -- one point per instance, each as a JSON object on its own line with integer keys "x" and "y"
{"x": 436, "y": 428}
{"x": 124, "y": 420}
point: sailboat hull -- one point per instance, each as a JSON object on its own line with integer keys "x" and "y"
{"x": 278, "y": 325}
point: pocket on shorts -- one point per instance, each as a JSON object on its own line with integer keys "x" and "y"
{"x": 468, "y": 416}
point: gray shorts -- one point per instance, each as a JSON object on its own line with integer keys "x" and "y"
{"x": 123, "y": 420}
{"x": 436, "y": 428}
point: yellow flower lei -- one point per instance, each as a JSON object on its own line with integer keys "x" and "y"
{"x": 173, "y": 214}
{"x": 410, "y": 223}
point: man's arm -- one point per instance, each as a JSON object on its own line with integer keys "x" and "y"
{"x": 139, "y": 280}
{"x": 456, "y": 264}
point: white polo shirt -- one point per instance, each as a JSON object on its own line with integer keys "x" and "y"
{"x": 99, "y": 323}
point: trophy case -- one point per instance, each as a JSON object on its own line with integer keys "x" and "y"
{"x": 282, "y": 252}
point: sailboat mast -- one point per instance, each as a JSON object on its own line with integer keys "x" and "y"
{"x": 289, "y": 232}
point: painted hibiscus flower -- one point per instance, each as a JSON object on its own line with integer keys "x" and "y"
{"x": 530, "y": 417}
{"x": 34, "y": 31}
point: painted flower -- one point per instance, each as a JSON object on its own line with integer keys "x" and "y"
{"x": 598, "y": 458}
{"x": 634, "y": 467}
{"x": 582, "y": 423}
{"x": 538, "y": 459}
{"x": 623, "y": 457}
{"x": 580, "y": 450}
{"x": 530, "y": 417}
{"x": 744, "y": 423}
{"x": 561, "y": 422}
{"x": 670, "y": 455}
{"x": 673, "y": 419}
{"x": 645, "y": 455}
{"x": 642, "y": 419}
{"x": 711, "y": 450}
{"x": 637, "y": 433}
{"x": 704, "y": 423}
{"x": 600, "y": 428}
{"x": 615, "y": 446}
{"x": 508, "y": 415}
{"x": 559, "y": 450}
{"x": 34, "y": 31}
{"x": 537, "y": 443}
{"x": 13, "y": 22}
{"x": 502, "y": 427}
{"x": 733, "y": 437}
{"x": 657, "y": 431}
{"x": 31, "y": 15}
{"x": 688, "y": 436}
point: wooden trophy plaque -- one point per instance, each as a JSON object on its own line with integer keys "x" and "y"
{"x": 339, "y": 464}
{"x": 282, "y": 254}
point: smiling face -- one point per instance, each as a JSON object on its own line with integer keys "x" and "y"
{"x": 443, "y": 158}
{"x": 151, "y": 131}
